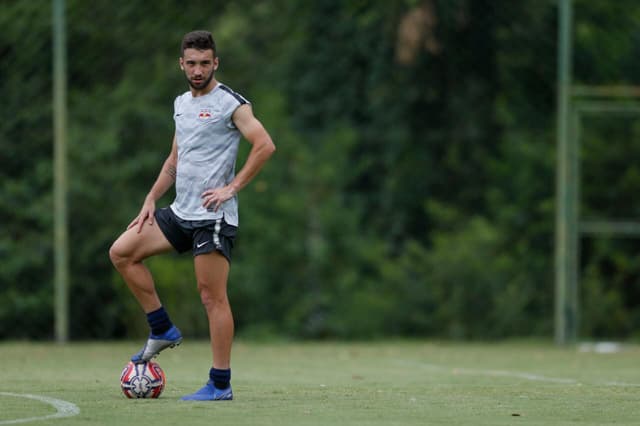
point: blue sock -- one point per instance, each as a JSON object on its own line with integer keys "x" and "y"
{"x": 221, "y": 378}
{"x": 159, "y": 321}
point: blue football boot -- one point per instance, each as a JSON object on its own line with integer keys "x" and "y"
{"x": 210, "y": 393}
{"x": 157, "y": 343}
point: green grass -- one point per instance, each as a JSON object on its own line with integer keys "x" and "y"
{"x": 384, "y": 383}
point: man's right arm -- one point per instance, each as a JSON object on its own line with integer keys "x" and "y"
{"x": 165, "y": 180}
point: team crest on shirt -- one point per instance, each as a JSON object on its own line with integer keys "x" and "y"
{"x": 205, "y": 114}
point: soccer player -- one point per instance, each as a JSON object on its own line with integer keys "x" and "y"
{"x": 210, "y": 119}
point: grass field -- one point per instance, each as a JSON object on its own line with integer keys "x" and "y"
{"x": 383, "y": 383}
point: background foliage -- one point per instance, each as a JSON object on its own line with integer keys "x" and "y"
{"x": 412, "y": 192}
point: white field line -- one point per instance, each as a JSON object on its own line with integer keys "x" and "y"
{"x": 63, "y": 408}
{"x": 513, "y": 374}
{"x": 622, "y": 384}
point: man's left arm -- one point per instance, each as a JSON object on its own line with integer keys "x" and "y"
{"x": 262, "y": 148}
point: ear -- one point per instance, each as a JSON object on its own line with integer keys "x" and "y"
{"x": 181, "y": 64}
{"x": 216, "y": 63}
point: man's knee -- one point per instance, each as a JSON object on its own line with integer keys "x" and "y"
{"x": 212, "y": 301}
{"x": 118, "y": 255}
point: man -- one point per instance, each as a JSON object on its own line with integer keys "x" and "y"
{"x": 209, "y": 119}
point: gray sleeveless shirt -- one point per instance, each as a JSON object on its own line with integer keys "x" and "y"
{"x": 207, "y": 142}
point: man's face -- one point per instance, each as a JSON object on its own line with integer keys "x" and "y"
{"x": 199, "y": 67}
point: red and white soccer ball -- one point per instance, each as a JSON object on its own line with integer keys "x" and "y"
{"x": 144, "y": 380}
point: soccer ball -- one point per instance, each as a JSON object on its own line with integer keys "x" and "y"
{"x": 143, "y": 380}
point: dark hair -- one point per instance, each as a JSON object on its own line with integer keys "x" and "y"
{"x": 201, "y": 40}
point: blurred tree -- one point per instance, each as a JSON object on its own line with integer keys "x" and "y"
{"x": 412, "y": 192}
{"x": 25, "y": 175}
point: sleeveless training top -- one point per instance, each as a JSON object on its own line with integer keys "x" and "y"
{"x": 207, "y": 143}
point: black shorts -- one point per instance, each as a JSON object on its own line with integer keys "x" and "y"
{"x": 201, "y": 236}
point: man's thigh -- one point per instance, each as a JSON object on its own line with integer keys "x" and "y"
{"x": 140, "y": 245}
{"x": 212, "y": 271}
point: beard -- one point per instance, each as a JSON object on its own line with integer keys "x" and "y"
{"x": 202, "y": 84}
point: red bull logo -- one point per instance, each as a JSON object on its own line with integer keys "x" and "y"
{"x": 204, "y": 114}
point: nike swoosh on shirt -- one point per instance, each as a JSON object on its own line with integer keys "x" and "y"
{"x": 201, "y": 244}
